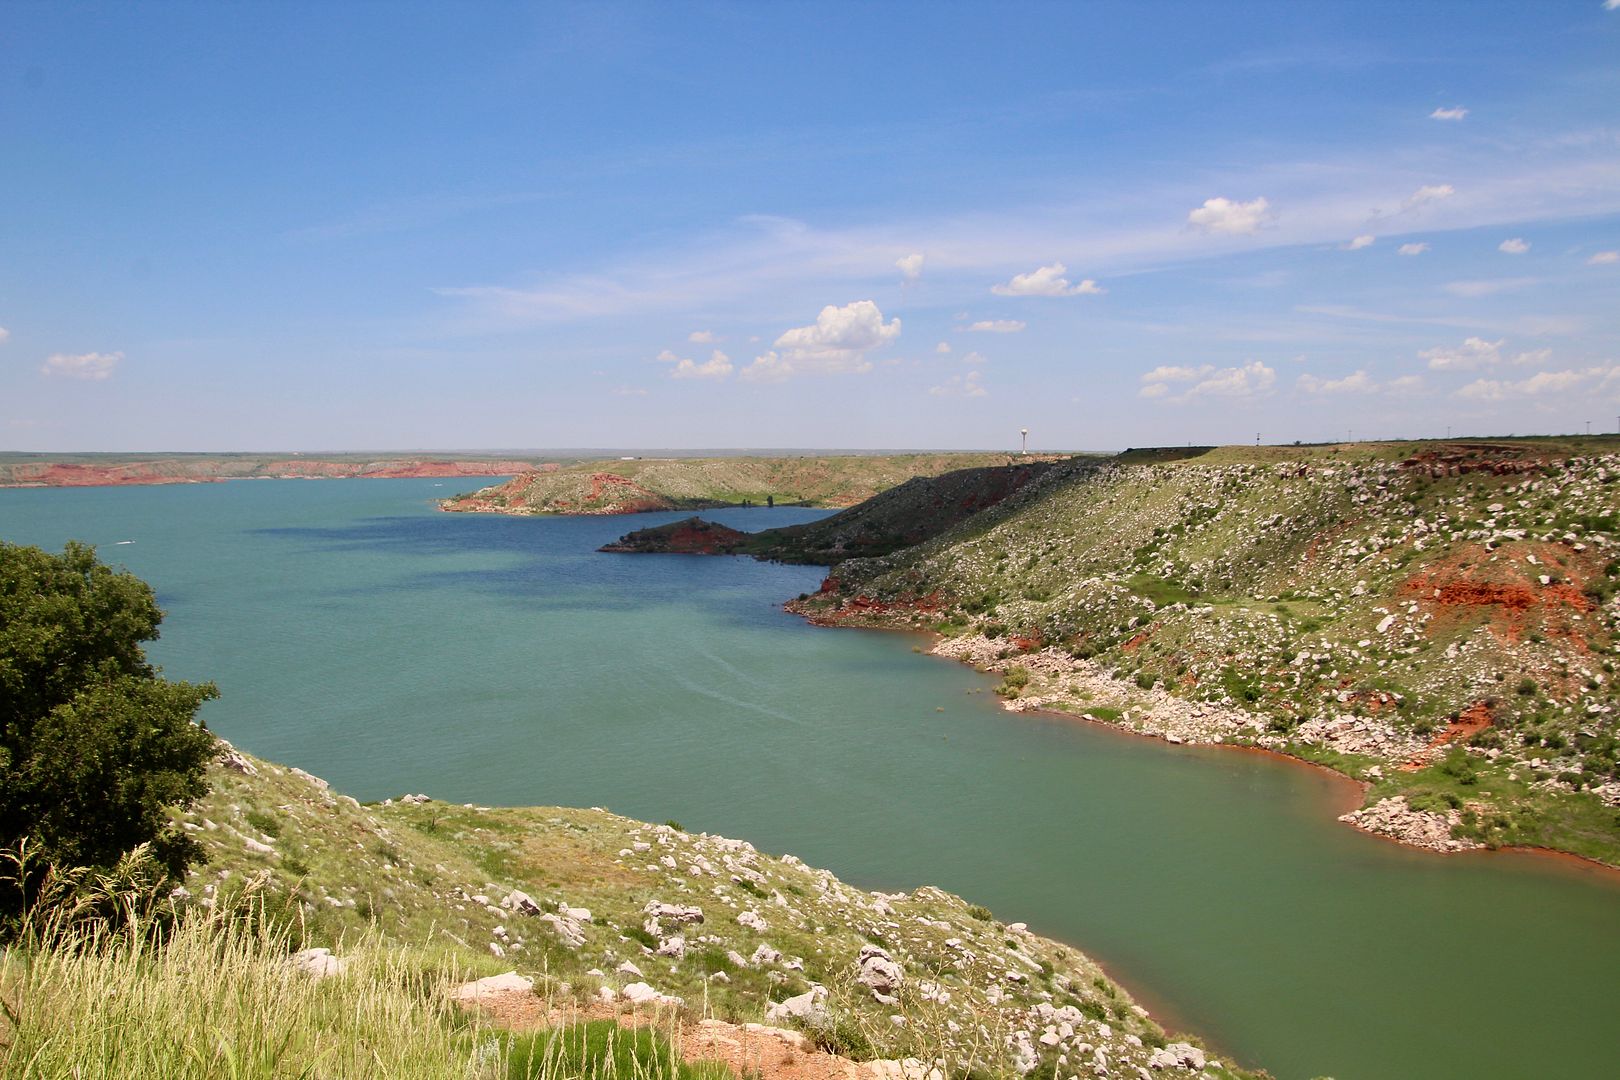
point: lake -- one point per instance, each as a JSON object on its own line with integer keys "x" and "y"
{"x": 358, "y": 633}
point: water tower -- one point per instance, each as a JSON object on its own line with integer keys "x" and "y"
{"x": 1023, "y": 433}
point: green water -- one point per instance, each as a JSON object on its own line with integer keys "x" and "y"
{"x": 361, "y": 635}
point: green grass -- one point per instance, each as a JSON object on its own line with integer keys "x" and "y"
{"x": 602, "y": 1050}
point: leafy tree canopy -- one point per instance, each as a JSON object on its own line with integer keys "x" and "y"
{"x": 94, "y": 744}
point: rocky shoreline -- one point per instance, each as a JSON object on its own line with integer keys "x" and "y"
{"x": 1051, "y": 681}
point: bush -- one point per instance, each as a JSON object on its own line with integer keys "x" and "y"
{"x": 94, "y": 745}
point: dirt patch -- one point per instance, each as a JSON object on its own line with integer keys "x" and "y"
{"x": 1468, "y": 723}
{"x": 1504, "y": 587}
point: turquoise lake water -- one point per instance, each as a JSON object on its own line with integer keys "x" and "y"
{"x": 356, "y": 632}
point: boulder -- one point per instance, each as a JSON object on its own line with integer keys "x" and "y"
{"x": 318, "y": 963}
{"x": 878, "y": 971}
{"x": 808, "y": 1007}
{"x": 507, "y": 983}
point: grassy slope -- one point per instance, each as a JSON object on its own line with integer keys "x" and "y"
{"x": 430, "y": 878}
{"x": 613, "y": 486}
{"x": 1347, "y": 607}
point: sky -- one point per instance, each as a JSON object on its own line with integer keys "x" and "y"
{"x": 330, "y": 226}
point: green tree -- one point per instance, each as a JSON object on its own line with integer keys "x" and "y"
{"x": 94, "y": 744}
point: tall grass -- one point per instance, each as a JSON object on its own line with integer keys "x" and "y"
{"x": 217, "y": 998}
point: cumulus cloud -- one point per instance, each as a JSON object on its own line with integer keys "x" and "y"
{"x": 1475, "y": 353}
{"x": 1359, "y": 242}
{"x": 838, "y": 340}
{"x": 996, "y": 326}
{"x": 1472, "y": 353}
{"x": 717, "y": 366}
{"x": 91, "y": 366}
{"x": 1604, "y": 258}
{"x": 4, "y": 333}
{"x": 702, "y": 337}
{"x": 1428, "y": 193}
{"x": 1540, "y": 384}
{"x": 1514, "y": 246}
{"x": 837, "y": 343}
{"x": 1357, "y": 383}
{"x": 943, "y": 348}
{"x": 1047, "y": 281}
{"x": 1413, "y": 249}
{"x": 767, "y": 367}
{"x": 1175, "y": 383}
{"x": 1456, "y": 112}
{"x": 973, "y": 359}
{"x": 1222, "y": 215}
{"x": 969, "y": 385}
{"x": 910, "y": 267}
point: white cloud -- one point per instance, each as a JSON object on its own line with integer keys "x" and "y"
{"x": 838, "y": 341}
{"x": 91, "y": 366}
{"x": 1252, "y": 379}
{"x": 1539, "y": 384}
{"x": 996, "y": 326}
{"x": 1611, "y": 5}
{"x": 1514, "y": 246}
{"x": 943, "y": 348}
{"x": 973, "y": 359}
{"x": 1406, "y": 384}
{"x": 1604, "y": 258}
{"x": 702, "y": 337}
{"x": 1047, "y": 281}
{"x": 1176, "y": 373}
{"x": 717, "y": 366}
{"x": 1472, "y": 353}
{"x": 767, "y": 367}
{"x": 4, "y": 333}
{"x": 1360, "y": 242}
{"x": 1456, "y": 112}
{"x": 628, "y": 391}
{"x": 1222, "y": 215}
{"x": 969, "y": 385}
{"x": 1357, "y": 383}
{"x": 1413, "y": 249}
{"x": 1475, "y": 353}
{"x": 910, "y": 267}
{"x": 1488, "y": 287}
{"x": 1428, "y": 193}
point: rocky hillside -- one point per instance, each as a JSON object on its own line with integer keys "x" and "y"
{"x": 616, "y": 914}
{"x": 1436, "y": 619}
{"x": 905, "y": 515}
{"x": 98, "y": 470}
{"x": 647, "y": 484}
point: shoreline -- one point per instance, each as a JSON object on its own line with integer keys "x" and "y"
{"x": 1570, "y": 859}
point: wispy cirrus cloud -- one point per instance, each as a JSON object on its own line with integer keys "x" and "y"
{"x": 1455, "y": 112}
{"x": 996, "y": 326}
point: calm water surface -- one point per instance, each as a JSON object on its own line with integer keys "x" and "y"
{"x": 356, "y": 632}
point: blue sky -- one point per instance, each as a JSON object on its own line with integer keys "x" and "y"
{"x": 366, "y": 225}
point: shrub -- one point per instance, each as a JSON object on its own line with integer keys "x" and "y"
{"x": 94, "y": 745}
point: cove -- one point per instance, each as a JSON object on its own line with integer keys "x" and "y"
{"x": 358, "y": 633}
